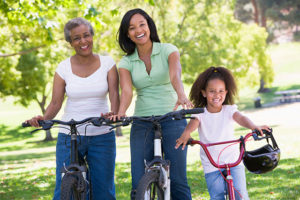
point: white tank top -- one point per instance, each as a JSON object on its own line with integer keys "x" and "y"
{"x": 86, "y": 97}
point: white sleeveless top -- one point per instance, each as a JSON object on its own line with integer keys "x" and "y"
{"x": 86, "y": 97}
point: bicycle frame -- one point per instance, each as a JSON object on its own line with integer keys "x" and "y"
{"x": 76, "y": 164}
{"x": 158, "y": 162}
{"x": 228, "y": 178}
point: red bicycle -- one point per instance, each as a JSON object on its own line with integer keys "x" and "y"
{"x": 258, "y": 161}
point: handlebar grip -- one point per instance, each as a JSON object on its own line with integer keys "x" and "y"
{"x": 25, "y": 124}
{"x": 194, "y": 111}
{"x": 257, "y": 136}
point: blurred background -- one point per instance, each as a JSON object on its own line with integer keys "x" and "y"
{"x": 258, "y": 40}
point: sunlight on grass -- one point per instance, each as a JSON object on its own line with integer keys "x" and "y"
{"x": 27, "y": 165}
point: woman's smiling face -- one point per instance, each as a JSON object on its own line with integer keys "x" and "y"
{"x": 138, "y": 30}
{"x": 81, "y": 40}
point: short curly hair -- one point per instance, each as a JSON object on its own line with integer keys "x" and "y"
{"x": 73, "y": 23}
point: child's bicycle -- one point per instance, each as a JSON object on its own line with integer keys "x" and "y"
{"x": 155, "y": 183}
{"x": 75, "y": 177}
{"x": 258, "y": 161}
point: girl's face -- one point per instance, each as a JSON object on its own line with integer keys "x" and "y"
{"x": 215, "y": 94}
{"x": 81, "y": 40}
{"x": 138, "y": 30}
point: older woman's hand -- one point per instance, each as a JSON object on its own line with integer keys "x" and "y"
{"x": 34, "y": 121}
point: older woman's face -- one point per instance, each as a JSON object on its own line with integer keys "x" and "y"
{"x": 82, "y": 40}
{"x": 138, "y": 30}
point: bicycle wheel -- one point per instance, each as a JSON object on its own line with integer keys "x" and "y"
{"x": 69, "y": 185}
{"x": 148, "y": 188}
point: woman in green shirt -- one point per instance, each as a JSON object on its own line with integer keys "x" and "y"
{"x": 154, "y": 69}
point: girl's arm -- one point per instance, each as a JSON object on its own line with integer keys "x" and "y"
{"x": 185, "y": 136}
{"x": 113, "y": 89}
{"x": 57, "y": 99}
{"x": 126, "y": 91}
{"x": 175, "y": 78}
{"x": 244, "y": 121}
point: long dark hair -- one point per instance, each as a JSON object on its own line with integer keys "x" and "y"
{"x": 201, "y": 83}
{"x": 124, "y": 41}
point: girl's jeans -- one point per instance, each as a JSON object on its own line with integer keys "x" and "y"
{"x": 141, "y": 147}
{"x": 100, "y": 152}
{"x": 216, "y": 184}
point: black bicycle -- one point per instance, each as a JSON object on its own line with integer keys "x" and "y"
{"x": 75, "y": 177}
{"x": 155, "y": 183}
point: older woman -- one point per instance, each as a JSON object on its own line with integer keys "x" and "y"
{"x": 154, "y": 69}
{"x": 85, "y": 78}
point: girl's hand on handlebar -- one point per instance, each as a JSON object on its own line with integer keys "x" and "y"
{"x": 184, "y": 102}
{"x": 184, "y": 138}
{"x": 34, "y": 121}
{"x": 263, "y": 127}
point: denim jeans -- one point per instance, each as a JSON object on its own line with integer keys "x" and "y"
{"x": 216, "y": 184}
{"x": 100, "y": 153}
{"x": 141, "y": 147}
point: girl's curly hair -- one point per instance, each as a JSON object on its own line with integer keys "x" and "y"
{"x": 209, "y": 74}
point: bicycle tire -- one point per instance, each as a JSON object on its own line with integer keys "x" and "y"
{"x": 149, "y": 187}
{"x": 68, "y": 188}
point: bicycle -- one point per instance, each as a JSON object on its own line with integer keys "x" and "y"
{"x": 258, "y": 161}
{"x": 75, "y": 177}
{"x": 155, "y": 183}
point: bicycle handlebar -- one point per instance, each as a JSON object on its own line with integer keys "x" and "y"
{"x": 177, "y": 115}
{"x": 255, "y": 134}
{"x": 101, "y": 121}
{"x": 47, "y": 124}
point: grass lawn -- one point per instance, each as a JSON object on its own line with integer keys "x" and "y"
{"x": 27, "y": 165}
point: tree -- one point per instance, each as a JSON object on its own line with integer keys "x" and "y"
{"x": 33, "y": 44}
{"x": 205, "y": 31}
{"x": 207, "y": 34}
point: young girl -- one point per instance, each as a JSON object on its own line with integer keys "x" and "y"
{"x": 215, "y": 90}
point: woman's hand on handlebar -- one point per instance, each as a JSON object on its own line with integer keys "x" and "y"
{"x": 118, "y": 116}
{"x": 184, "y": 102}
{"x": 260, "y": 128}
{"x": 34, "y": 121}
{"x": 107, "y": 115}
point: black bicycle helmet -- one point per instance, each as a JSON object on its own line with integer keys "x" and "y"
{"x": 264, "y": 159}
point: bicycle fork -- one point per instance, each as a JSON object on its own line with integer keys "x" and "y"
{"x": 229, "y": 180}
{"x": 164, "y": 178}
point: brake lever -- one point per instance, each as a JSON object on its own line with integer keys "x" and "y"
{"x": 35, "y": 130}
{"x": 256, "y": 134}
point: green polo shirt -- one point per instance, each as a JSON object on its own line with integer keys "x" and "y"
{"x": 155, "y": 93}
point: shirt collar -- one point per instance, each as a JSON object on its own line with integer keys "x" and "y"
{"x": 155, "y": 50}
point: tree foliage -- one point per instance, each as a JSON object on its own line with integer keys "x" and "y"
{"x": 207, "y": 34}
{"x": 205, "y": 31}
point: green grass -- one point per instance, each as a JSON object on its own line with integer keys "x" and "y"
{"x": 286, "y": 59}
{"x": 27, "y": 165}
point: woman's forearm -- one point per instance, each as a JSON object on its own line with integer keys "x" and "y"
{"x": 126, "y": 97}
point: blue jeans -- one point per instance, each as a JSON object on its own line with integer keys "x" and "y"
{"x": 100, "y": 153}
{"x": 216, "y": 184}
{"x": 141, "y": 147}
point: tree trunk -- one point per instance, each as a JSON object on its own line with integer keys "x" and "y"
{"x": 48, "y": 136}
{"x": 119, "y": 131}
{"x": 42, "y": 103}
{"x": 255, "y": 11}
{"x": 262, "y": 88}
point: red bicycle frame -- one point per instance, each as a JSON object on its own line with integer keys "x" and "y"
{"x": 227, "y": 166}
